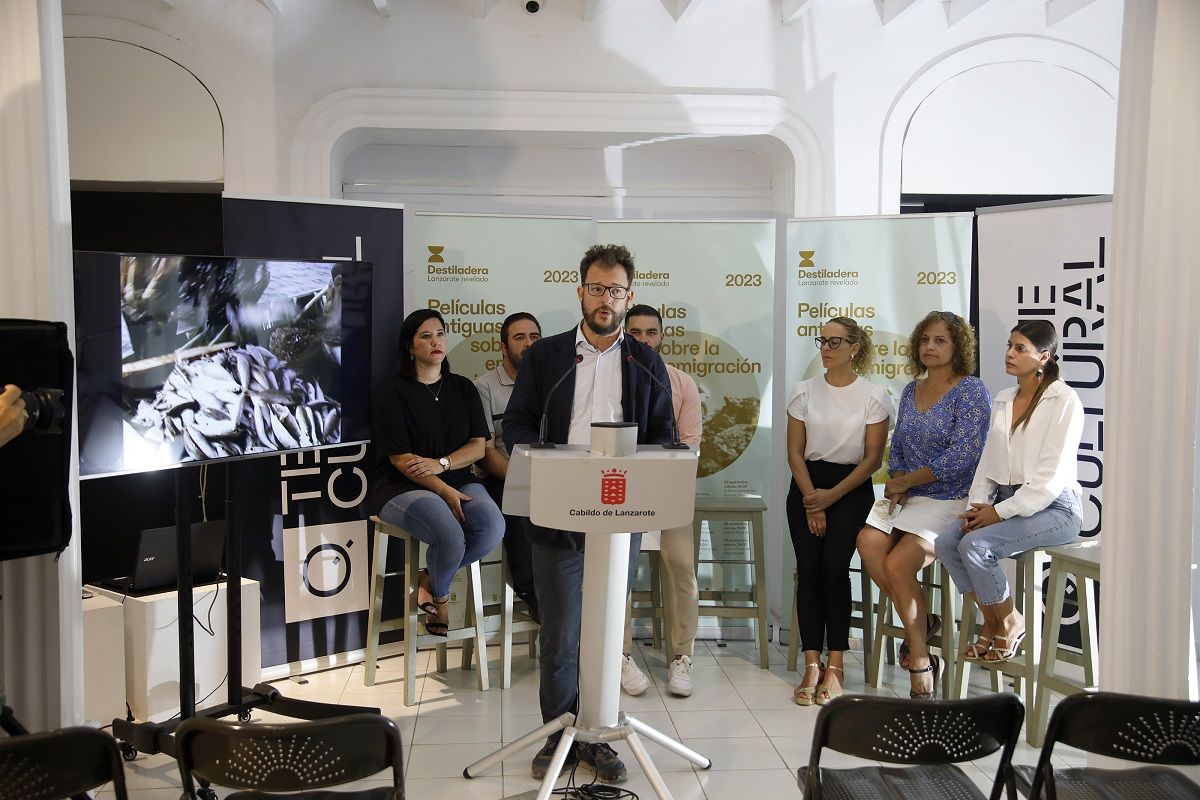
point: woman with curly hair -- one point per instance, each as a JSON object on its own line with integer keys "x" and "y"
{"x": 836, "y": 433}
{"x": 941, "y": 426}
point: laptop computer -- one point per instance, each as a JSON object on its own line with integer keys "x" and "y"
{"x": 156, "y": 567}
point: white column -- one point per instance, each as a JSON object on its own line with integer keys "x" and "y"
{"x": 1150, "y": 499}
{"x": 42, "y": 615}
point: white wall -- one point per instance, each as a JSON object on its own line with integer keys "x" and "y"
{"x": 146, "y": 118}
{"x": 836, "y": 86}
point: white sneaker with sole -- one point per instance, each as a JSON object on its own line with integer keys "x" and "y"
{"x": 679, "y": 678}
{"x": 633, "y": 680}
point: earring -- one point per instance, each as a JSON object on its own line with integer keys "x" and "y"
{"x": 1039, "y": 372}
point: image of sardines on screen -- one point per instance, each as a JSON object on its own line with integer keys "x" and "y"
{"x": 187, "y": 358}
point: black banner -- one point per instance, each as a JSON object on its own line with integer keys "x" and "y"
{"x": 302, "y": 514}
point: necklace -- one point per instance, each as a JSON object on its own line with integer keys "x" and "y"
{"x": 432, "y": 393}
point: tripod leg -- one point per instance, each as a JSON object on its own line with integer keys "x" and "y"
{"x": 647, "y": 764}
{"x": 556, "y": 764}
{"x": 658, "y": 737}
{"x": 512, "y": 748}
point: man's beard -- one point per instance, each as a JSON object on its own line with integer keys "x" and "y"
{"x": 515, "y": 358}
{"x": 606, "y": 330}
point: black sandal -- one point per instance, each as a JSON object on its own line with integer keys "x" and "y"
{"x": 933, "y": 624}
{"x": 434, "y": 624}
{"x": 425, "y": 587}
{"x": 935, "y": 666}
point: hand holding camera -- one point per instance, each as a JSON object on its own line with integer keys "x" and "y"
{"x": 12, "y": 414}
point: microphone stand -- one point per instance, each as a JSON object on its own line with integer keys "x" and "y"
{"x": 675, "y": 444}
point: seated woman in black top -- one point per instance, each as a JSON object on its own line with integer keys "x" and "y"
{"x": 429, "y": 428}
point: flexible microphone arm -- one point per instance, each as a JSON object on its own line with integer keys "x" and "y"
{"x": 544, "y": 425}
{"x": 675, "y": 444}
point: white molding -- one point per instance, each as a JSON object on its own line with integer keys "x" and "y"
{"x": 888, "y": 10}
{"x": 342, "y": 120}
{"x": 1058, "y": 10}
{"x": 946, "y": 66}
{"x": 790, "y": 10}
{"x": 481, "y": 8}
{"x": 244, "y": 164}
{"x": 956, "y": 10}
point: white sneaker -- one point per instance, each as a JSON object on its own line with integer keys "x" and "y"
{"x": 679, "y": 678}
{"x": 633, "y": 680}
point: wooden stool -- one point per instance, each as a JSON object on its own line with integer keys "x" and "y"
{"x": 651, "y": 604}
{"x": 861, "y": 616}
{"x": 748, "y": 511}
{"x": 512, "y": 619}
{"x": 1023, "y": 669}
{"x": 1081, "y": 559}
{"x": 407, "y": 622}
{"x": 937, "y": 584}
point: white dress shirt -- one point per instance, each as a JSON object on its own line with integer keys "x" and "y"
{"x": 1039, "y": 458}
{"x": 598, "y": 385}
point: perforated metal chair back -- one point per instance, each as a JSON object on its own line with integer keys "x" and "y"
{"x": 1146, "y": 730}
{"x": 292, "y": 757}
{"x": 927, "y": 736}
{"x": 59, "y": 764}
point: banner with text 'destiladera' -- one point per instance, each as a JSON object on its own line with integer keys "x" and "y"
{"x": 713, "y": 282}
{"x": 476, "y": 270}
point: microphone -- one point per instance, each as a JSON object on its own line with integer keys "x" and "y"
{"x": 675, "y": 443}
{"x": 542, "y": 444}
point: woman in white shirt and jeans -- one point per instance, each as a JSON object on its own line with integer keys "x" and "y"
{"x": 1025, "y": 493}
{"x": 837, "y": 430}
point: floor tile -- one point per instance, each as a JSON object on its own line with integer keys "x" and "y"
{"x": 777, "y": 784}
{"x": 458, "y": 730}
{"x": 749, "y": 752}
{"x": 708, "y": 724}
{"x": 488, "y": 788}
{"x": 440, "y": 761}
{"x": 767, "y": 696}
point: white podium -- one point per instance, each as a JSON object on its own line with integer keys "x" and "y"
{"x": 572, "y": 489}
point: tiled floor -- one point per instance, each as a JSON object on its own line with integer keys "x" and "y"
{"x": 740, "y": 716}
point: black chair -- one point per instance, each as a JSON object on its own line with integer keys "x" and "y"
{"x": 261, "y": 760}
{"x": 1127, "y": 727}
{"x": 60, "y": 764}
{"x": 930, "y": 735}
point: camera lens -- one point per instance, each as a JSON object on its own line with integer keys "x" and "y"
{"x": 45, "y": 410}
{"x": 533, "y": 6}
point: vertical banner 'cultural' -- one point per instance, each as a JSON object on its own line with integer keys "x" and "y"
{"x": 1047, "y": 262}
{"x": 714, "y": 284}
{"x": 478, "y": 269}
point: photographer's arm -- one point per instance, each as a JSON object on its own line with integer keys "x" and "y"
{"x": 12, "y": 414}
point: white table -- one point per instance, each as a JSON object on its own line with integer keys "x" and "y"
{"x": 152, "y": 647}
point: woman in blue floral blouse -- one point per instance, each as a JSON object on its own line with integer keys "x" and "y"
{"x": 941, "y": 428}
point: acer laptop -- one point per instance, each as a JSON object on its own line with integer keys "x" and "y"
{"x": 156, "y": 567}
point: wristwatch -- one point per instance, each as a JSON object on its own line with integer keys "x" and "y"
{"x": 445, "y": 462}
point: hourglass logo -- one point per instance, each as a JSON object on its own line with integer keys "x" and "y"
{"x": 806, "y": 261}
{"x": 435, "y": 253}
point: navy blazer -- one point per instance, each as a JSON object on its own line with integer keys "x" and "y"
{"x": 544, "y": 363}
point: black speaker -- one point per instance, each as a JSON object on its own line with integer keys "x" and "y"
{"x": 35, "y": 510}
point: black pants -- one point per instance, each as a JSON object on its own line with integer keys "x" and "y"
{"x": 558, "y": 573}
{"x": 823, "y": 562}
{"x": 516, "y": 544}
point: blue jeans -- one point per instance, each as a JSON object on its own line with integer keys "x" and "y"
{"x": 558, "y": 577}
{"x": 973, "y": 558}
{"x": 452, "y": 544}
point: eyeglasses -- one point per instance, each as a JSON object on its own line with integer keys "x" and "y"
{"x": 597, "y": 289}
{"x": 834, "y": 342}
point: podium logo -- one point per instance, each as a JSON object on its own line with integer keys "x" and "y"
{"x": 612, "y": 487}
{"x": 435, "y": 253}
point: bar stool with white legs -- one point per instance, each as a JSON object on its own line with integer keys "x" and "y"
{"x": 407, "y": 622}
{"x": 514, "y": 618}
{"x": 937, "y": 585}
{"x": 1022, "y": 668}
{"x": 1081, "y": 559}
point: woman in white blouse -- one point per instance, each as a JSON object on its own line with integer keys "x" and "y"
{"x": 837, "y": 430}
{"x": 1025, "y": 493}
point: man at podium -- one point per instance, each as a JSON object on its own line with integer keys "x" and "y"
{"x": 591, "y": 373}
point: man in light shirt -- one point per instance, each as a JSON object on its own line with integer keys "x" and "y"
{"x": 601, "y": 384}
{"x": 517, "y": 333}
{"x": 676, "y": 545}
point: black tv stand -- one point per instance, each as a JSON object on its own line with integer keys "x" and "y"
{"x": 159, "y": 737}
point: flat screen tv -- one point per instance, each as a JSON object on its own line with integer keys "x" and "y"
{"x": 184, "y": 359}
